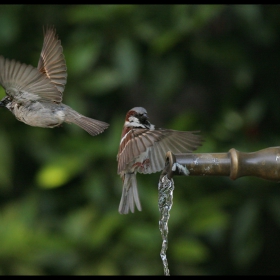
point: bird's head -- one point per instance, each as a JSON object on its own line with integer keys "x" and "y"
{"x": 137, "y": 117}
{"x": 5, "y": 101}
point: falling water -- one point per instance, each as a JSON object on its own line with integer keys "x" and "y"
{"x": 165, "y": 200}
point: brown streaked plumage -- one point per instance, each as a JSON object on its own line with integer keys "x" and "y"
{"x": 34, "y": 95}
{"x": 52, "y": 62}
{"x": 143, "y": 148}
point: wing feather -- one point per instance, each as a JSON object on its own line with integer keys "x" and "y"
{"x": 157, "y": 143}
{"x": 52, "y": 62}
{"x": 25, "y": 78}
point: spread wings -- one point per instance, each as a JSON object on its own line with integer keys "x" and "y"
{"x": 156, "y": 143}
{"x": 47, "y": 82}
{"x": 52, "y": 62}
{"x": 16, "y": 77}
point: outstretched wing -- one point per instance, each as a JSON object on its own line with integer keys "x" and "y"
{"x": 156, "y": 143}
{"x": 18, "y": 77}
{"x": 52, "y": 62}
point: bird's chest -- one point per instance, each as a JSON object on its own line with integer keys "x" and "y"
{"x": 38, "y": 114}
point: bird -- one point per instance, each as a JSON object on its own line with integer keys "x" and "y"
{"x": 34, "y": 95}
{"x": 142, "y": 149}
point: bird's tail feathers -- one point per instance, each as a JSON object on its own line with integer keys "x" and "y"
{"x": 92, "y": 126}
{"x": 130, "y": 195}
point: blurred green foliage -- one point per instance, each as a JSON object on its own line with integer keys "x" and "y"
{"x": 212, "y": 68}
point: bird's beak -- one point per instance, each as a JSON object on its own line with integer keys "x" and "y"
{"x": 145, "y": 117}
{"x": 4, "y": 101}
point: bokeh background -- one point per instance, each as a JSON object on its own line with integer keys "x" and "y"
{"x": 212, "y": 68}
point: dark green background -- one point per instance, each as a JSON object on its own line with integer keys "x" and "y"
{"x": 206, "y": 67}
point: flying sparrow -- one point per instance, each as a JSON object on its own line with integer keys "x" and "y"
{"x": 34, "y": 95}
{"x": 143, "y": 148}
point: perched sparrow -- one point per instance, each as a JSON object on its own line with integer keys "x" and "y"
{"x": 34, "y": 95}
{"x": 143, "y": 148}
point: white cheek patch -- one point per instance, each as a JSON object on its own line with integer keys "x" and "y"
{"x": 9, "y": 106}
{"x": 133, "y": 122}
{"x": 133, "y": 119}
